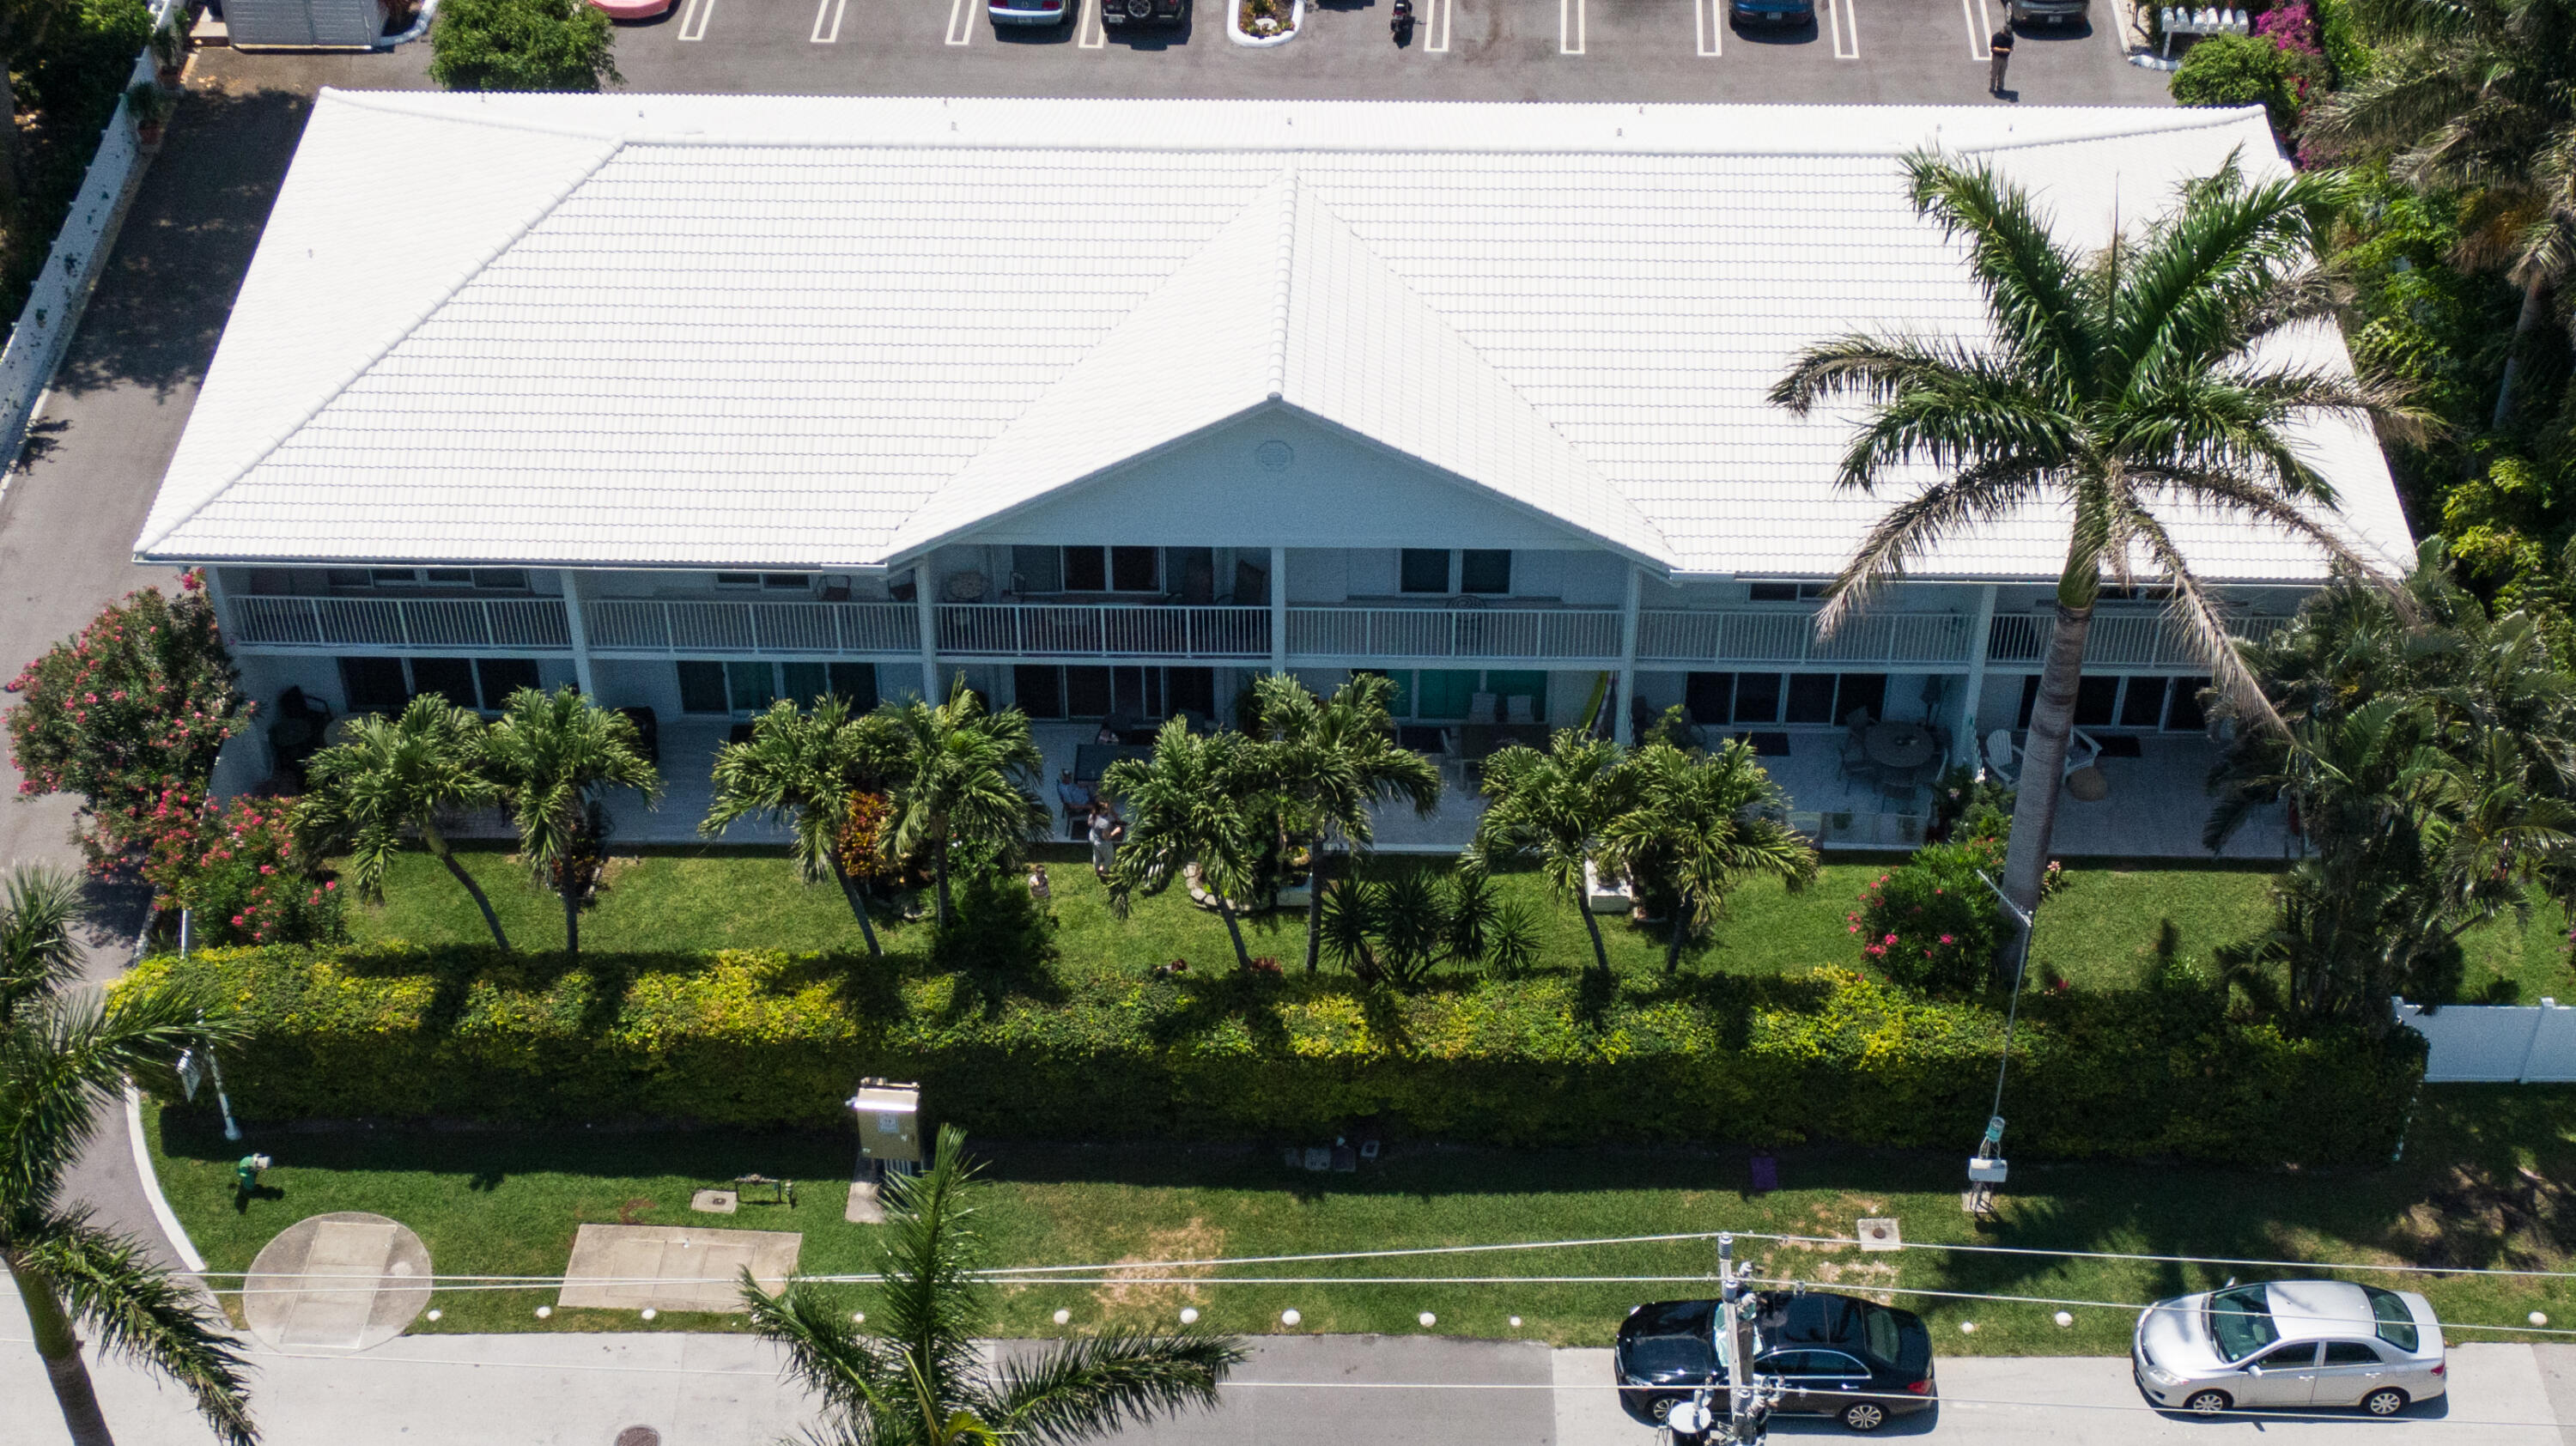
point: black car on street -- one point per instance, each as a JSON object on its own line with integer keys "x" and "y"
{"x": 1835, "y": 1355}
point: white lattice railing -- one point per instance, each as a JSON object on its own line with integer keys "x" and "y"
{"x": 413, "y": 625}
{"x": 652, "y": 625}
{"x": 1553, "y": 634}
{"x": 2115, "y": 640}
{"x": 1079, "y": 630}
{"x": 1787, "y": 637}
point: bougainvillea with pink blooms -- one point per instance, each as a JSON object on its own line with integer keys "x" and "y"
{"x": 236, "y": 867}
{"x": 138, "y": 704}
{"x": 1929, "y": 923}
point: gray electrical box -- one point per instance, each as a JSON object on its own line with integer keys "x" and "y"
{"x": 889, "y": 1119}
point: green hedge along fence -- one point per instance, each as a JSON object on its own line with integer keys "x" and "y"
{"x": 752, "y": 1038}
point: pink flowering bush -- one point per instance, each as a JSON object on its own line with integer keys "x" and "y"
{"x": 1930, "y": 923}
{"x": 138, "y": 704}
{"x": 236, "y": 866}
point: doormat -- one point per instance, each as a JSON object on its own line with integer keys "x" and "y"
{"x": 1767, "y": 745}
{"x": 2121, "y": 745}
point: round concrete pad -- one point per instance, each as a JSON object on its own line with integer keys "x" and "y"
{"x": 346, "y": 1281}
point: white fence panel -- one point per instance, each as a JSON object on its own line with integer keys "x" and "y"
{"x": 53, "y": 309}
{"x": 2496, "y": 1043}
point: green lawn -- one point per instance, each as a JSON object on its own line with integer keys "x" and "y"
{"x": 2480, "y": 1186}
{"x": 2101, "y": 931}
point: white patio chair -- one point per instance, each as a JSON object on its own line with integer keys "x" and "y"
{"x": 1999, "y": 754}
{"x": 1520, "y": 708}
{"x": 1480, "y": 708}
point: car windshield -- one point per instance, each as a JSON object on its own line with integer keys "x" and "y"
{"x": 2240, "y": 1320}
{"x": 1669, "y": 1356}
{"x": 2396, "y": 1321}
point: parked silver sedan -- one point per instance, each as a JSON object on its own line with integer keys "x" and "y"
{"x": 2290, "y": 1343}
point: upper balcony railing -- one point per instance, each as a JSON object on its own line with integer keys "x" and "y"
{"x": 2116, "y": 640}
{"x": 1787, "y": 638}
{"x": 455, "y": 625}
{"x": 696, "y": 629}
{"x": 1078, "y": 630}
{"x": 1549, "y": 634}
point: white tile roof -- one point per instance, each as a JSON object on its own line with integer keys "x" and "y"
{"x": 828, "y": 332}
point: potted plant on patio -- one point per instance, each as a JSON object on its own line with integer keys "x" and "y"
{"x": 170, "y": 46}
{"x": 149, "y": 105}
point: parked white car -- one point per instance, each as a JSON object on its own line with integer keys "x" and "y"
{"x": 2290, "y": 1344}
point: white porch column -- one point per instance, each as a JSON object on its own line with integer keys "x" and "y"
{"x": 928, "y": 611}
{"x": 1623, "y": 725}
{"x": 1279, "y": 610}
{"x": 577, "y": 623}
{"x": 1969, "y": 738}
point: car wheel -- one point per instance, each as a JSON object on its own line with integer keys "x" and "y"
{"x": 2386, "y": 1401}
{"x": 2207, "y": 1403}
{"x": 1864, "y": 1415}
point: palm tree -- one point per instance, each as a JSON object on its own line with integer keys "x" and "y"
{"x": 1198, "y": 801}
{"x": 552, "y": 755}
{"x": 61, "y": 1053}
{"x": 2475, "y": 95}
{"x": 959, "y": 777}
{"x": 1555, "y": 807}
{"x": 1333, "y": 761}
{"x": 802, "y": 769}
{"x": 394, "y": 774}
{"x": 1701, "y": 824}
{"x": 2113, "y": 385}
{"x": 915, "y": 1375}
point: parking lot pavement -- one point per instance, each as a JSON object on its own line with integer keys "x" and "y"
{"x": 1909, "y": 51}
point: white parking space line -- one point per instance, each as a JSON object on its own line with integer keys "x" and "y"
{"x": 1569, "y": 27}
{"x": 1089, "y": 33}
{"x": 1710, "y": 18}
{"x": 961, "y": 22}
{"x": 694, "y": 17}
{"x": 1844, "y": 17}
{"x": 1436, "y": 34}
{"x": 1979, "y": 27}
{"x": 827, "y": 20}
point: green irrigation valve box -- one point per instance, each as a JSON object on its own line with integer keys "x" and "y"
{"x": 889, "y": 1119}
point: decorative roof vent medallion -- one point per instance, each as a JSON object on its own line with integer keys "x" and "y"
{"x": 1274, "y": 455}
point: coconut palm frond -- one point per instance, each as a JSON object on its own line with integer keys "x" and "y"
{"x": 39, "y": 954}
{"x": 1095, "y": 1385}
{"x": 137, "y": 1310}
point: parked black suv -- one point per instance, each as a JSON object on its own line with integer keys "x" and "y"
{"x": 2048, "y": 12}
{"x": 1141, "y": 12}
{"x": 1835, "y": 1355}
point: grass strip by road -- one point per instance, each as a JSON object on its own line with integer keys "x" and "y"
{"x": 2481, "y": 1186}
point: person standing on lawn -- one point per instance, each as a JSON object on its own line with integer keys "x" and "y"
{"x": 1999, "y": 45}
{"x": 1103, "y": 826}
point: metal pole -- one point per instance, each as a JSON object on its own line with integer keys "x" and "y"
{"x": 577, "y": 630}
{"x": 1278, "y": 610}
{"x": 1623, "y": 725}
{"x": 1739, "y": 1344}
{"x": 926, "y": 609}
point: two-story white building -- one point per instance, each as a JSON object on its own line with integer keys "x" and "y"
{"x": 1111, "y": 406}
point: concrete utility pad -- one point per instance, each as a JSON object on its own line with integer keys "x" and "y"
{"x": 345, "y": 1281}
{"x": 674, "y": 1267}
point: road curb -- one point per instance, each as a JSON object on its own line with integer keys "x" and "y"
{"x": 151, "y": 1178}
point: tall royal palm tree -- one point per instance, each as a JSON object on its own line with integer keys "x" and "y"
{"x": 62, "y": 1050}
{"x": 392, "y": 775}
{"x": 803, "y": 769}
{"x": 1332, "y": 761}
{"x": 1556, "y": 807}
{"x": 1699, "y": 825}
{"x": 2475, "y": 95}
{"x": 914, "y": 1373}
{"x": 553, "y": 755}
{"x": 960, "y": 777}
{"x": 2114, "y": 386}
{"x": 1199, "y": 801}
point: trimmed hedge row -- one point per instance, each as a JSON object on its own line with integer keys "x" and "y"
{"x": 752, "y": 1038}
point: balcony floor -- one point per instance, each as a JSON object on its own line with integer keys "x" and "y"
{"x": 2155, "y": 809}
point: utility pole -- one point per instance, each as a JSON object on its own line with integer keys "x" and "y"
{"x": 1747, "y": 1416}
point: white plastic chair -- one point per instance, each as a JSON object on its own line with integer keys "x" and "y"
{"x": 1999, "y": 754}
{"x": 1520, "y": 708}
{"x": 1480, "y": 708}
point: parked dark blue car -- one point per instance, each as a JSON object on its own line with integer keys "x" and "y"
{"x": 1784, "y": 13}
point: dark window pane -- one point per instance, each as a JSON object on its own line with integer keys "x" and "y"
{"x": 702, "y": 688}
{"x": 1132, "y": 569}
{"x": 272, "y": 581}
{"x": 2350, "y": 1353}
{"x": 1193, "y": 574}
{"x": 1424, "y": 569}
{"x": 508, "y": 578}
{"x": 449, "y": 678}
{"x": 1136, "y": 692}
{"x": 1711, "y": 697}
{"x": 1862, "y": 690}
{"x": 737, "y": 579}
{"x": 345, "y": 576}
{"x": 1757, "y": 697}
{"x": 505, "y": 676}
{"x": 373, "y": 685}
{"x": 1086, "y": 569}
{"x": 1487, "y": 570}
{"x": 2185, "y": 715}
{"x": 2143, "y": 706}
{"x": 856, "y": 685}
{"x": 2029, "y": 699}
{"x": 1507, "y": 685}
{"x": 1193, "y": 690}
{"x": 803, "y": 683}
{"x": 1037, "y": 569}
{"x": 393, "y": 576}
{"x": 1086, "y": 692}
{"x": 451, "y": 576}
{"x": 1446, "y": 692}
{"x": 1040, "y": 690}
{"x": 2095, "y": 700}
{"x": 786, "y": 581}
{"x": 753, "y": 686}
{"x": 1774, "y": 592}
{"x": 1811, "y": 698}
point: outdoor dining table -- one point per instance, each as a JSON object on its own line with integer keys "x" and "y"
{"x": 1899, "y": 746}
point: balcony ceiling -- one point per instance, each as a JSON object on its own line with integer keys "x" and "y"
{"x": 815, "y": 333}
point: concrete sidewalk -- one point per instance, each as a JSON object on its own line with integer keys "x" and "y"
{"x": 725, "y": 1390}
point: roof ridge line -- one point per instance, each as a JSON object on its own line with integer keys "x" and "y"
{"x": 447, "y": 293}
{"x": 1284, "y": 279}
